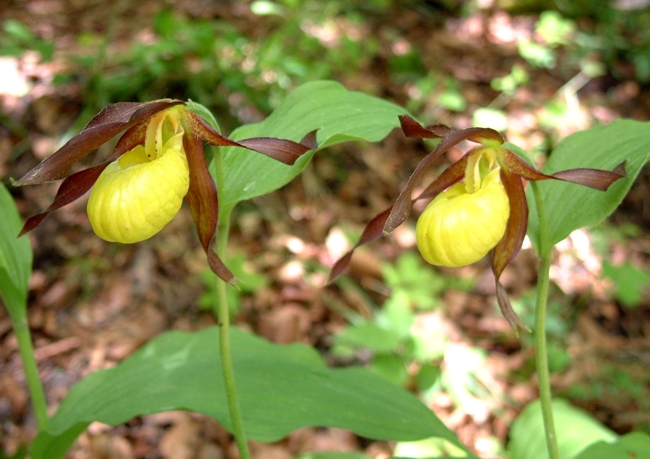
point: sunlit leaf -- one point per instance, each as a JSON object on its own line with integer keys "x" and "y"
{"x": 337, "y": 114}
{"x": 15, "y": 257}
{"x": 570, "y": 206}
{"x": 575, "y": 430}
{"x": 635, "y": 445}
{"x": 281, "y": 388}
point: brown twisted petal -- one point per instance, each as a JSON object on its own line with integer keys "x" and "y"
{"x": 285, "y": 151}
{"x": 373, "y": 231}
{"x": 112, "y": 120}
{"x": 204, "y": 205}
{"x": 78, "y": 184}
{"x": 375, "y": 228}
{"x": 510, "y": 244}
{"x": 394, "y": 216}
{"x": 402, "y": 206}
{"x": 452, "y": 175}
{"x": 592, "y": 178}
{"x": 71, "y": 189}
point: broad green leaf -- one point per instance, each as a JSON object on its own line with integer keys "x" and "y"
{"x": 333, "y": 455}
{"x": 368, "y": 336}
{"x": 338, "y": 114}
{"x": 635, "y": 445}
{"x": 281, "y": 388}
{"x": 575, "y": 430}
{"x": 429, "y": 448}
{"x": 570, "y": 206}
{"x": 15, "y": 257}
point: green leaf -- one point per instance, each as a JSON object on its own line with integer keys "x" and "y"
{"x": 369, "y": 336}
{"x": 15, "y": 257}
{"x": 281, "y": 388}
{"x": 635, "y": 445}
{"x": 338, "y": 114}
{"x": 570, "y": 206}
{"x": 629, "y": 282}
{"x": 575, "y": 431}
{"x": 429, "y": 448}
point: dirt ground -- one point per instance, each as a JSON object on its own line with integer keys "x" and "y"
{"x": 92, "y": 304}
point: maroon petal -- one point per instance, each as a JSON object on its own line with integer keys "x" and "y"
{"x": 592, "y": 178}
{"x": 373, "y": 231}
{"x": 508, "y": 247}
{"x": 112, "y": 120}
{"x": 402, "y": 206}
{"x": 452, "y": 175}
{"x": 203, "y": 201}
{"x": 285, "y": 151}
{"x": 412, "y": 128}
{"x": 71, "y": 189}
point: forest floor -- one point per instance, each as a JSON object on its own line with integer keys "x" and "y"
{"x": 92, "y": 303}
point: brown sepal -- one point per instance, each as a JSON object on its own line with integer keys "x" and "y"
{"x": 592, "y": 178}
{"x": 402, "y": 206}
{"x": 412, "y": 128}
{"x": 204, "y": 205}
{"x": 510, "y": 244}
{"x": 112, "y": 120}
{"x": 452, "y": 175}
{"x": 285, "y": 151}
{"x": 373, "y": 231}
{"x": 71, "y": 189}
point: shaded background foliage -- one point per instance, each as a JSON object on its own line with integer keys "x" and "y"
{"x": 536, "y": 70}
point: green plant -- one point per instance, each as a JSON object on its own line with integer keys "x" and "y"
{"x": 459, "y": 239}
{"x": 389, "y": 334}
{"x": 263, "y": 391}
{"x": 630, "y": 283}
{"x": 18, "y": 38}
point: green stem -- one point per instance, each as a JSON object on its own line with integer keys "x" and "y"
{"x": 223, "y": 316}
{"x": 26, "y": 349}
{"x": 541, "y": 352}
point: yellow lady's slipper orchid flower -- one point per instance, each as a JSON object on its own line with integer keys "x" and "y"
{"x": 464, "y": 221}
{"x": 138, "y": 194}
{"x": 157, "y": 162}
{"x": 459, "y": 228}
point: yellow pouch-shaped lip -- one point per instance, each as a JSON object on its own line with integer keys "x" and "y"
{"x": 459, "y": 228}
{"x": 135, "y": 197}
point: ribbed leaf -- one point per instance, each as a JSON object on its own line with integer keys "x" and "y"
{"x": 337, "y": 114}
{"x": 15, "y": 257}
{"x": 570, "y": 206}
{"x": 575, "y": 431}
{"x": 281, "y": 388}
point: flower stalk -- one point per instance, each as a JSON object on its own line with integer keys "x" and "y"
{"x": 541, "y": 351}
{"x": 222, "y": 314}
{"x": 34, "y": 384}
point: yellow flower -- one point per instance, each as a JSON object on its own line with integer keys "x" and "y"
{"x": 158, "y": 162}
{"x": 466, "y": 219}
{"x": 137, "y": 195}
{"x": 459, "y": 228}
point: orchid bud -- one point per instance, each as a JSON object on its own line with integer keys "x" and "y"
{"x": 459, "y": 228}
{"x": 137, "y": 195}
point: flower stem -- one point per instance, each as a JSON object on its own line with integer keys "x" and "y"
{"x": 34, "y": 384}
{"x": 223, "y": 317}
{"x": 541, "y": 352}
